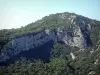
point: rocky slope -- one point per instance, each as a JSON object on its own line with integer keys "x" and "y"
{"x": 71, "y": 29}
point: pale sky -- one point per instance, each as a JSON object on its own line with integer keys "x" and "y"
{"x": 17, "y": 13}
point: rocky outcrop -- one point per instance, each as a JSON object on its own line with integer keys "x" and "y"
{"x": 70, "y": 36}
{"x": 25, "y": 43}
{"x": 29, "y": 42}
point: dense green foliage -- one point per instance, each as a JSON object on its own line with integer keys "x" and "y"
{"x": 59, "y": 64}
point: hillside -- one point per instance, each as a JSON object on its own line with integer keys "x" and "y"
{"x": 58, "y": 44}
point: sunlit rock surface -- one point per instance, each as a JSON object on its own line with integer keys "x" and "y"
{"x": 72, "y": 55}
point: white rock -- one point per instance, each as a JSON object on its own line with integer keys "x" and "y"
{"x": 47, "y": 31}
{"x": 96, "y": 62}
{"x": 98, "y": 48}
{"x": 89, "y": 27}
{"x": 92, "y": 73}
{"x": 72, "y": 55}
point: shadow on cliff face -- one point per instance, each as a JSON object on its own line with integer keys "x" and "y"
{"x": 42, "y": 52}
{"x": 87, "y": 37}
{"x": 88, "y": 41}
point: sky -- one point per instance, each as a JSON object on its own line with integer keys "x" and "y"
{"x": 17, "y": 13}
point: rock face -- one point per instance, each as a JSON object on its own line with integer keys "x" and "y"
{"x": 29, "y": 42}
{"x": 75, "y": 35}
{"x": 70, "y": 36}
{"x": 25, "y": 43}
